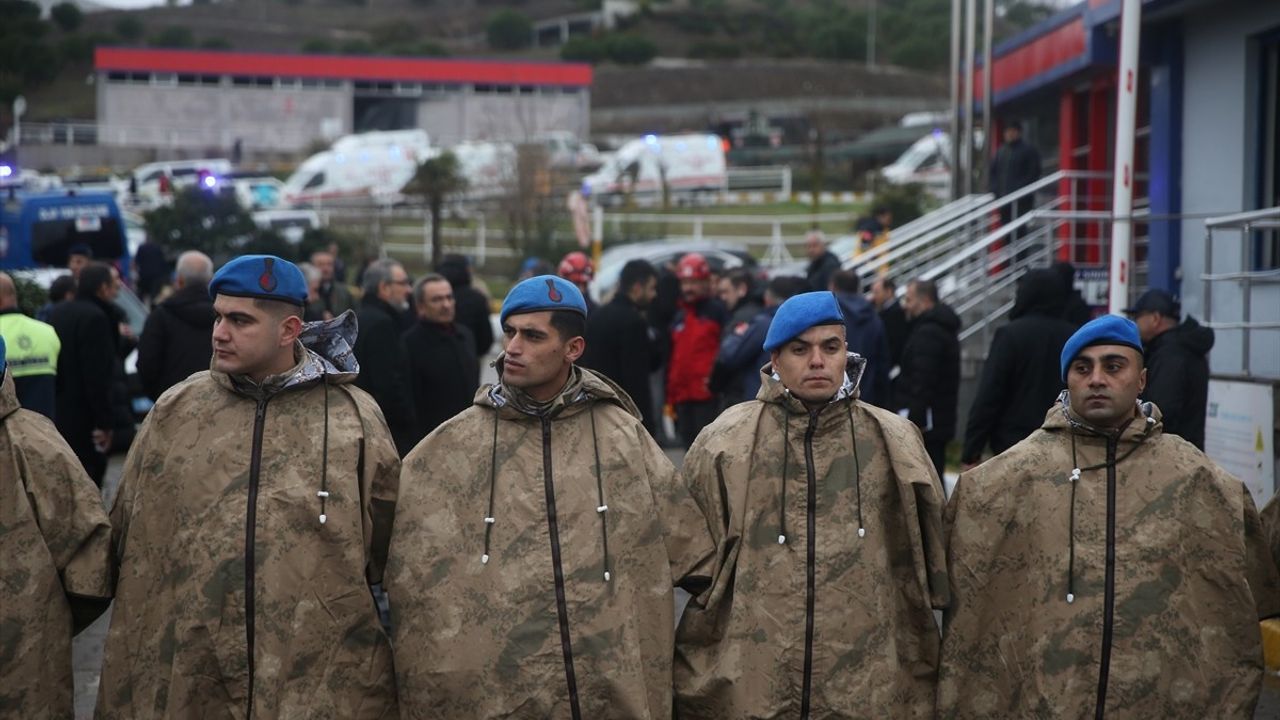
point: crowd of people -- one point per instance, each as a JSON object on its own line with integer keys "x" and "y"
{"x": 528, "y": 534}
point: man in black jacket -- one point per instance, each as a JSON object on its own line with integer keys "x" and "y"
{"x": 175, "y": 341}
{"x": 90, "y": 339}
{"x": 620, "y": 341}
{"x": 1015, "y": 165}
{"x": 443, "y": 371}
{"x": 383, "y": 367}
{"x": 471, "y": 306}
{"x": 1020, "y": 379}
{"x": 822, "y": 262}
{"x": 930, "y": 380}
{"x": 884, "y": 295}
{"x": 736, "y": 289}
{"x": 1177, "y": 358}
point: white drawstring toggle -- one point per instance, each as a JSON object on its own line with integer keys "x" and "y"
{"x": 1151, "y": 420}
{"x": 1071, "y": 597}
{"x": 1075, "y": 474}
{"x": 323, "y": 494}
{"x": 323, "y": 518}
{"x": 489, "y": 521}
{"x": 606, "y": 576}
{"x": 862, "y": 532}
{"x": 602, "y": 508}
{"x": 484, "y": 559}
{"x": 782, "y": 539}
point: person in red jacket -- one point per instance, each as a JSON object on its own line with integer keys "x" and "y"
{"x": 695, "y": 342}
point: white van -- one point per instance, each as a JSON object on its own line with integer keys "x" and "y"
{"x": 928, "y": 162}
{"x": 374, "y": 165}
{"x": 489, "y": 168}
{"x": 690, "y": 164}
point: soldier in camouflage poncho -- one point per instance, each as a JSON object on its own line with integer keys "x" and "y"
{"x": 827, "y": 514}
{"x": 55, "y": 575}
{"x": 255, "y": 509}
{"x": 537, "y": 542}
{"x": 1101, "y": 568}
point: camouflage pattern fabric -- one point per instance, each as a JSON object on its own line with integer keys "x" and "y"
{"x": 1192, "y": 577}
{"x": 481, "y": 640}
{"x": 875, "y": 639}
{"x": 178, "y": 644}
{"x": 55, "y": 542}
{"x": 1270, "y": 516}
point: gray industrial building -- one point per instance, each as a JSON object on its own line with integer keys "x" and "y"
{"x": 201, "y": 102}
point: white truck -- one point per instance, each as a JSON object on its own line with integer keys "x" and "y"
{"x": 372, "y": 165}
{"x": 689, "y": 164}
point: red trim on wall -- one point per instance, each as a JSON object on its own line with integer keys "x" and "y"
{"x": 342, "y": 67}
{"x": 1046, "y": 52}
{"x": 1068, "y": 140}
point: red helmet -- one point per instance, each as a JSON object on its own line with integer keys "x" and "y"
{"x": 693, "y": 267}
{"x": 576, "y": 267}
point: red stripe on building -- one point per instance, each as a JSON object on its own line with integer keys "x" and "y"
{"x": 1046, "y": 52}
{"x": 342, "y": 67}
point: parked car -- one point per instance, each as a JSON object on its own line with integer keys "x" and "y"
{"x": 721, "y": 256}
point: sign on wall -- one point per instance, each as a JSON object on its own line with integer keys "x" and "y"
{"x": 1239, "y": 434}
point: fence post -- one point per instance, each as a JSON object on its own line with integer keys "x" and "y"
{"x": 697, "y": 228}
{"x": 481, "y": 239}
{"x": 426, "y": 237}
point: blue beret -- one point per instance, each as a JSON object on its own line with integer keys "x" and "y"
{"x": 543, "y": 292}
{"x": 260, "y": 276}
{"x": 1106, "y": 330}
{"x": 799, "y": 313}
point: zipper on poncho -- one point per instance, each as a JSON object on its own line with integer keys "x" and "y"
{"x": 562, "y": 610}
{"x": 810, "y": 561}
{"x": 1109, "y": 597}
{"x": 251, "y": 520}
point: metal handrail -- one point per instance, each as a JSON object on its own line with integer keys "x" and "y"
{"x": 1244, "y": 223}
{"x": 1241, "y": 220}
{"x": 909, "y": 233}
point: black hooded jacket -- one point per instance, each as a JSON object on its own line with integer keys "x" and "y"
{"x": 176, "y": 341}
{"x": 384, "y": 370}
{"x": 929, "y": 385}
{"x": 1178, "y": 378}
{"x": 1021, "y": 377}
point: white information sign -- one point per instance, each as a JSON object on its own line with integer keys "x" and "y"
{"x": 1239, "y": 434}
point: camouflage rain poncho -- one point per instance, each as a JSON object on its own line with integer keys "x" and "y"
{"x": 55, "y": 545}
{"x": 838, "y": 619}
{"x": 195, "y": 635}
{"x": 538, "y": 631}
{"x": 1178, "y": 635}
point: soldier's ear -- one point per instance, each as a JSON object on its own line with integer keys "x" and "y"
{"x": 575, "y": 347}
{"x": 290, "y": 329}
{"x": 1142, "y": 381}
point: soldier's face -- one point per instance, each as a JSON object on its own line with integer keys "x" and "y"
{"x": 537, "y": 358}
{"x": 812, "y": 364}
{"x": 250, "y": 340}
{"x": 1105, "y": 382}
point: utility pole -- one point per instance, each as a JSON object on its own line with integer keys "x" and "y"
{"x": 871, "y": 36}
{"x": 988, "y": 28}
{"x": 1122, "y": 193}
{"x": 966, "y": 139}
{"x": 954, "y": 164}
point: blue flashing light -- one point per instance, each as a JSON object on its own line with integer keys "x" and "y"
{"x": 937, "y": 133}
{"x": 5, "y": 171}
{"x": 210, "y": 181}
{"x": 713, "y": 142}
{"x": 651, "y": 139}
